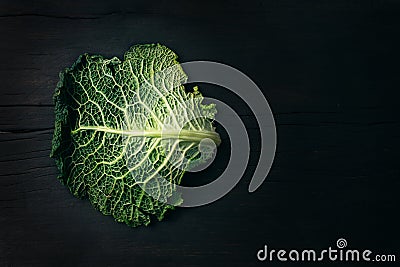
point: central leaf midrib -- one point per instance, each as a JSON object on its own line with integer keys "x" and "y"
{"x": 187, "y": 135}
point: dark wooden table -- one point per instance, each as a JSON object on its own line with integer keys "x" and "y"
{"x": 330, "y": 71}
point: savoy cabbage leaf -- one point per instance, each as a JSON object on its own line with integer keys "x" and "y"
{"x": 126, "y": 131}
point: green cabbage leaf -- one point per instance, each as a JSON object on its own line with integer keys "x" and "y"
{"x": 126, "y": 132}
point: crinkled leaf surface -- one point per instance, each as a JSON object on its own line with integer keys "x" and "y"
{"x": 127, "y": 128}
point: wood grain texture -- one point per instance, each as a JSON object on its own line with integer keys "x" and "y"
{"x": 329, "y": 70}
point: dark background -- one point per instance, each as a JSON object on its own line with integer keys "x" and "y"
{"x": 330, "y": 71}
